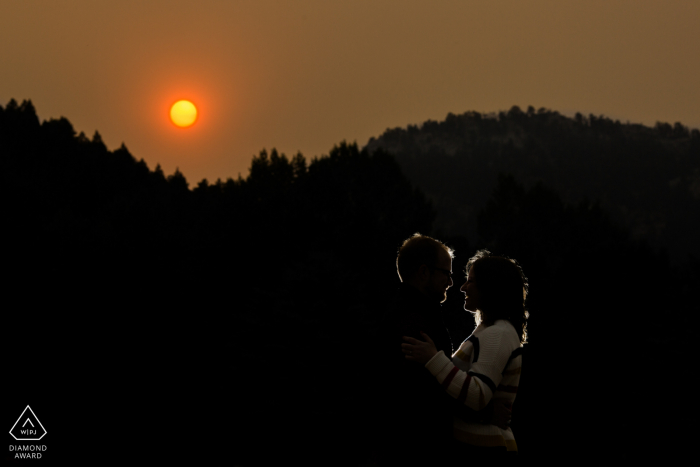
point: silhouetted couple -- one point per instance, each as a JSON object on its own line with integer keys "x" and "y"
{"x": 441, "y": 406}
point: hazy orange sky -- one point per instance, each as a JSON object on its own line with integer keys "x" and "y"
{"x": 305, "y": 75}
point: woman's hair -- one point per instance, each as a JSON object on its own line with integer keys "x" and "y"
{"x": 503, "y": 289}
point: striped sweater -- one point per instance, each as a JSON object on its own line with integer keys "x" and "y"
{"x": 486, "y": 365}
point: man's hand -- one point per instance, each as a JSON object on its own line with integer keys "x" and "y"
{"x": 501, "y": 415}
{"x": 419, "y": 351}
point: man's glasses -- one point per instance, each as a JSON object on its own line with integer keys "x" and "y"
{"x": 449, "y": 273}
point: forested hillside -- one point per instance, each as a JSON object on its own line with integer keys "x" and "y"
{"x": 648, "y": 179}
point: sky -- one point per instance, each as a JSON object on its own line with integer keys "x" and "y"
{"x": 305, "y": 75}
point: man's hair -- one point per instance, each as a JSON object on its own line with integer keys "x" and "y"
{"x": 503, "y": 290}
{"x": 416, "y": 251}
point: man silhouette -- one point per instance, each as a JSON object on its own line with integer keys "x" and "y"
{"x": 419, "y": 413}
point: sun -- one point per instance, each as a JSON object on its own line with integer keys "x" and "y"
{"x": 183, "y": 113}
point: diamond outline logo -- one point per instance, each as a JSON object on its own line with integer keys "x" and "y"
{"x": 30, "y": 422}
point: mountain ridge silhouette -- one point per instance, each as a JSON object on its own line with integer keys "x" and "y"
{"x": 648, "y": 178}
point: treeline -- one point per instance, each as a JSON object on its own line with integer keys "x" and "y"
{"x": 75, "y": 206}
{"x": 648, "y": 179}
{"x": 256, "y": 296}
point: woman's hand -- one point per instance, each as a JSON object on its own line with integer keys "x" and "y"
{"x": 419, "y": 351}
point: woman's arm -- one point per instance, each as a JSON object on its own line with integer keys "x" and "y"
{"x": 474, "y": 388}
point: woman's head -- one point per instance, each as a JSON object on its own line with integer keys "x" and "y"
{"x": 496, "y": 288}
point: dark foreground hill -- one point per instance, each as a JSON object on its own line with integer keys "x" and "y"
{"x": 648, "y": 179}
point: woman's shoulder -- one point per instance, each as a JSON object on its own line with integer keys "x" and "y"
{"x": 504, "y": 324}
{"x": 504, "y": 329}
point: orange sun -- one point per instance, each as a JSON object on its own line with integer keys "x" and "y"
{"x": 183, "y": 113}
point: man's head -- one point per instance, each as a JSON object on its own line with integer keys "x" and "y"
{"x": 426, "y": 264}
